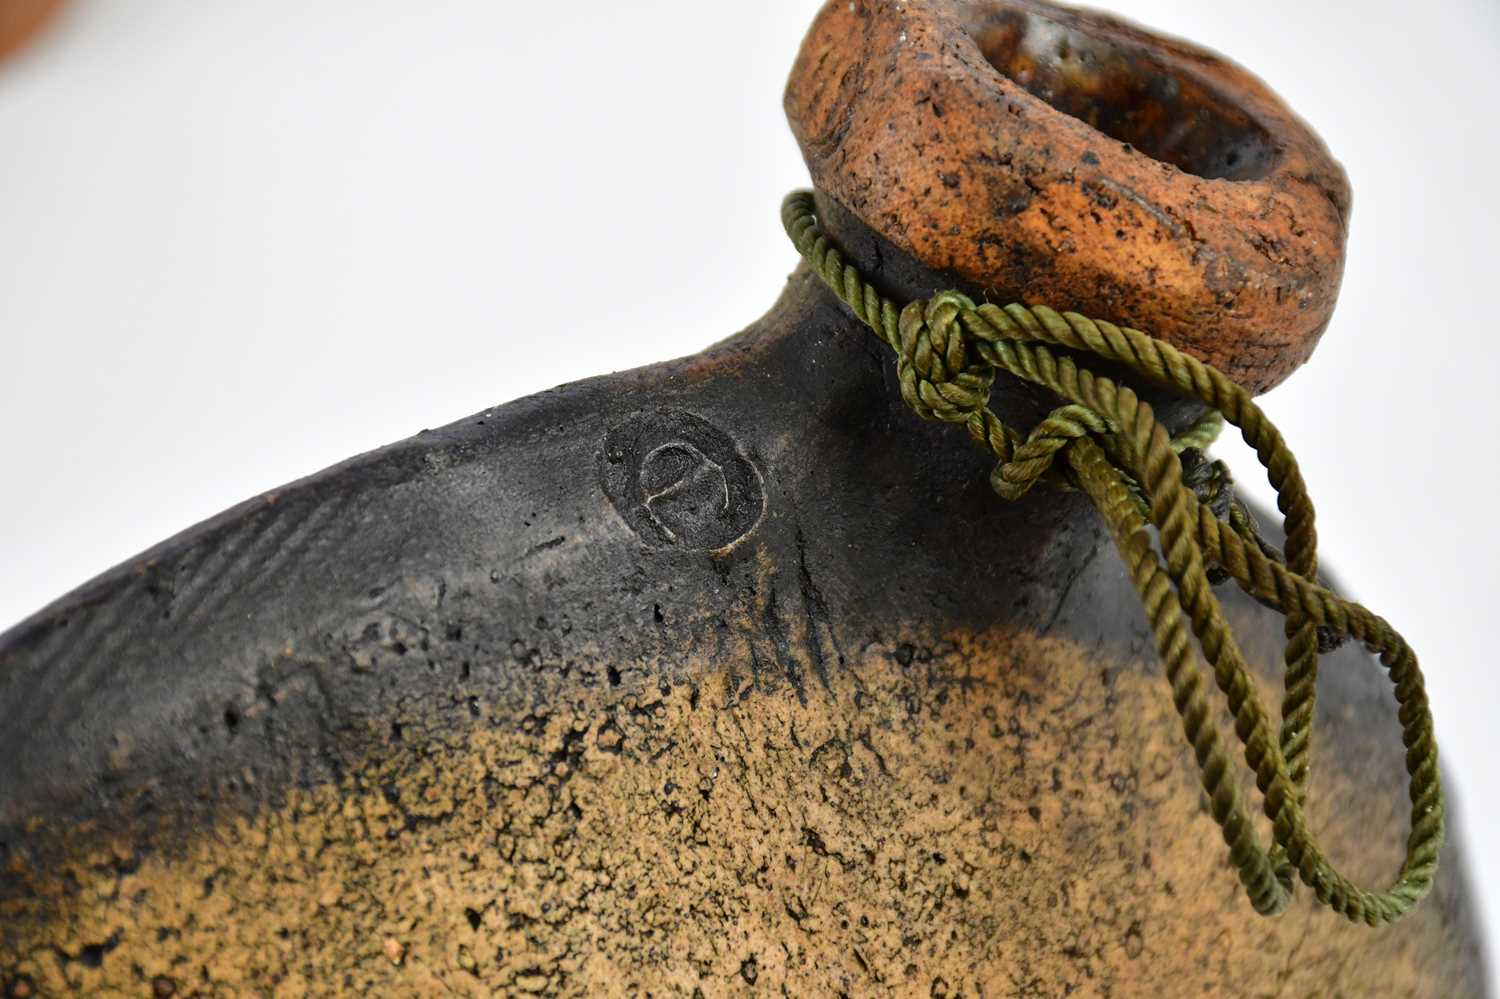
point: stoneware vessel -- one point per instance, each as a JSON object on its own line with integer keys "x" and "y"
{"x": 728, "y": 675}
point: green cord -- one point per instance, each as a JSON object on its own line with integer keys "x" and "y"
{"x": 1112, "y": 447}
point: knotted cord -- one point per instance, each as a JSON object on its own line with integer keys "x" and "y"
{"x": 1105, "y": 440}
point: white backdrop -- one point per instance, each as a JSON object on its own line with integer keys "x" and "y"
{"x": 239, "y": 242}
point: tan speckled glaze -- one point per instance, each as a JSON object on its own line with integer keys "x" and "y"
{"x": 929, "y": 825}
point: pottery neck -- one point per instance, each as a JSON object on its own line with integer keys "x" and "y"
{"x": 903, "y": 278}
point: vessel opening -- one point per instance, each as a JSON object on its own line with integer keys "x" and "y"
{"x": 1125, "y": 92}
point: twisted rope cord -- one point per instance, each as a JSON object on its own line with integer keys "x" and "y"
{"x": 1113, "y": 448}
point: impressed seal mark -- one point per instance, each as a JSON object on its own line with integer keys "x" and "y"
{"x": 680, "y": 482}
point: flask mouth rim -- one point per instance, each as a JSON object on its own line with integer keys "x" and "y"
{"x": 1042, "y": 154}
{"x": 1125, "y": 87}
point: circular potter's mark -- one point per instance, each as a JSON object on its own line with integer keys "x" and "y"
{"x": 680, "y": 482}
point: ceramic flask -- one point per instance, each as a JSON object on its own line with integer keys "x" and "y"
{"x": 728, "y": 674}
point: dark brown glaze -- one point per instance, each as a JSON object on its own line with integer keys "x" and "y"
{"x": 1050, "y": 156}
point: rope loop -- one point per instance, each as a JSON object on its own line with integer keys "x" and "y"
{"x": 1105, "y": 440}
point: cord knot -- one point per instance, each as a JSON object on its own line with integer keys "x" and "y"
{"x": 941, "y": 378}
{"x": 1033, "y": 460}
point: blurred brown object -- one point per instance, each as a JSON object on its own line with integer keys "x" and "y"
{"x": 21, "y": 19}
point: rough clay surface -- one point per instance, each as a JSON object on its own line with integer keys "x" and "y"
{"x": 1000, "y": 815}
{"x": 442, "y": 721}
{"x": 937, "y": 122}
{"x": 727, "y": 676}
